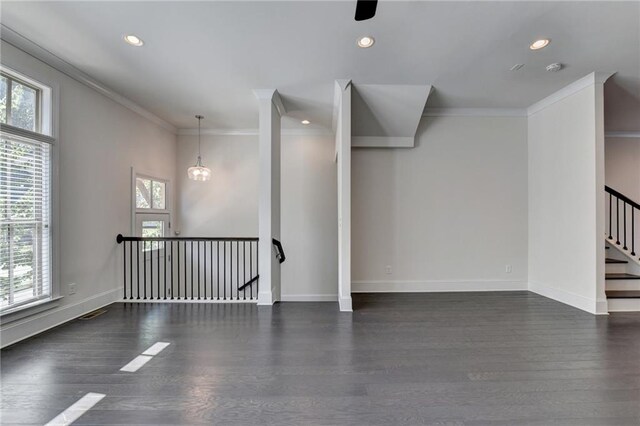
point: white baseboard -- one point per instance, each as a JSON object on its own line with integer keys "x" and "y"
{"x": 345, "y": 304}
{"x": 265, "y": 298}
{"x": 309, "y": 298}
{"x": 568, "y": 298}
{"x": 602, "y": 307}
{"x": 35, "y": 324}
{"x": 436, "y": 286}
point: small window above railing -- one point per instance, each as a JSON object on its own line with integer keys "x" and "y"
{"x": 151, "y": 194}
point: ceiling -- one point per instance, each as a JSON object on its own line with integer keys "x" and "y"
{"x": 206, "y": 57}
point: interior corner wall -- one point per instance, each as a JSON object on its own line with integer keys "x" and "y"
{"x": 566, "y": 199}
{"x": 447, "y": 215}
{"x": 99, "y": 141}
{"x": 227, "y": 205}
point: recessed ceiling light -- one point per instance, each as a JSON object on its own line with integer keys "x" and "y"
{"x": 539, "y": 44}
{"x": 366, "y": 41}
{"x": 133, "y": 40}
{"x": 305, "y": 122}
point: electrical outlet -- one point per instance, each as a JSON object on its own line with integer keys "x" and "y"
{"x": 508, "y": 269}
{"x": 72, "y": 288}
{"x": 388, "y": 270}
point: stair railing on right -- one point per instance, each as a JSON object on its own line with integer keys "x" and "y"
{"x": 622, "y": 228}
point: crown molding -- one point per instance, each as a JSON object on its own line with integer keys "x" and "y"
{"x": 252, "y": 132}
{"x": 31, "y": 48}
{"x": 474, "y": 112}
{"x": 193, "y": 131}
{"x": 627, "y": 134}
{"x": 576, "y": 86}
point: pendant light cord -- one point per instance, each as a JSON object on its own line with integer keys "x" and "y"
{"x": 199, "y": 117}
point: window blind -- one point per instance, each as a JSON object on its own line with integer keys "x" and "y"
{"x": 25, "y": 231}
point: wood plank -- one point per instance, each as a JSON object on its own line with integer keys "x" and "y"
{"x": 403, "y": 359}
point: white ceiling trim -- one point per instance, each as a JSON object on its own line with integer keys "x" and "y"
{"x": 474, "y": 112}
{"x": 252, "y": 132}
{"x": 19, "y": 41}
{"x": 576, "y": 86}
{"x": 615, "y": 134}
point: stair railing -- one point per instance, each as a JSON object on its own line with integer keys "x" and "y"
{"x": 182, "y": 268}
{"x": 623, "y": 214}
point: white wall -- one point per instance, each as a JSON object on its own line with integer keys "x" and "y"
{"x": 99, "y": 141}
{"x": 566, "y": 194}
{"x": 622, "y": 165}
{"x": 228, "y": 204}
{"x": 447, "y": 215}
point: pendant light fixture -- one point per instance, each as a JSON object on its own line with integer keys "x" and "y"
{"x": 199, "y": 172}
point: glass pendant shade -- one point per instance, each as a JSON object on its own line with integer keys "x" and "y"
{"x": 199, "y": 172}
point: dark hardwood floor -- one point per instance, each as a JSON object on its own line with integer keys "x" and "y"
{"x": 511, "y": 358}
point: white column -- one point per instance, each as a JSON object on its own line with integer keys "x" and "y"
{"x": 343, "y": 154}
{"x": 601, "y": 298}
{"x": 271, "y": 111}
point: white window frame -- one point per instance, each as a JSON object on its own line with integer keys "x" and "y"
{"x": 47, "y": 124}
{"x": 167, "y": 202}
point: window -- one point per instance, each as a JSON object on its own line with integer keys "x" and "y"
{"x": 151, "y": 212}
{"x": 150, "y": 194}
{"x": 19, "y": 103}
{"x": 25, "y": 196}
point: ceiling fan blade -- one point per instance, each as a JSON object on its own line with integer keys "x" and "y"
{"x": 366, "y": 9}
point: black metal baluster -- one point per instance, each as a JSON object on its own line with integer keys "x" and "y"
{"x": 158, "y": 245}
{"x": 244, "y": 270}
{"x": 204, "y": 272}
{"x": 610, "y": 217}
{"x": 211, "y": 267}
{"x": 138, "y": 268}
{"x": 224, "y": 267}
{"x": 124, "y": 268}
{"x": 633, "y": 232}
{"x": 178, "y": 263}
{"x": 171, "y": 260}
{"x": 237, "y": 269}
{"x": 151, "y": 270}
{"x": 185, "y": 270}
{"x": 144, "y": 253}
{"x": 624, "y": 211}
{"x": 617, "y": 221}
{"x": 251, "y": 268}
{"x": 130, "y": 270}
{"x": 198, "y": 245}
{"x": 218, "y": 269}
